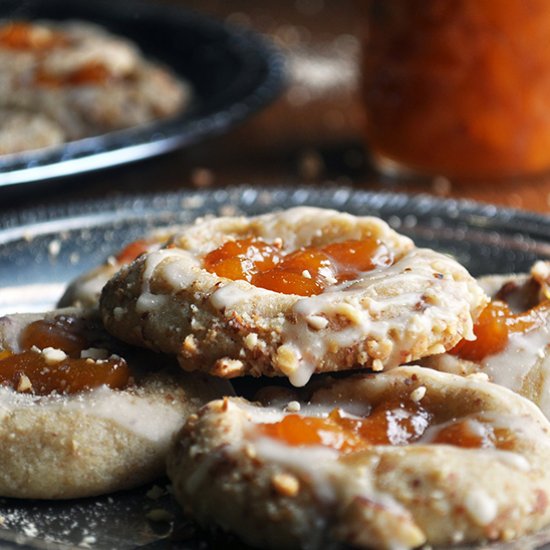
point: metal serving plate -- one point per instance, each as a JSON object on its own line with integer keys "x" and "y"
{"x": 233, "y": 73}
{"x": 42, "y": 249}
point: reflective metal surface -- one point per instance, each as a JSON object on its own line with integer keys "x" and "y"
{"x": 42, "y": 249}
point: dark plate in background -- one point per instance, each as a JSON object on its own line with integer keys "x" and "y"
{"x": 233, "y": 73}
{"x": 41, "y": 250}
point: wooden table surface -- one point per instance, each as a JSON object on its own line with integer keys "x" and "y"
{"x": 311, "y": 134}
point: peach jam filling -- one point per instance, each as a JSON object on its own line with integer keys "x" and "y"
{"x": 494, "y": 326}
{"x": 306, "y": 271}
{"x": 26, "y": 36}
{"x": 390, "y": 423}
{"x": 92, "y": 73}
{"x": 59, "y": 367}
{"x": 131, "y": 251}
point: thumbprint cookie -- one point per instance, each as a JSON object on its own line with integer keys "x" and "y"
{"x": 84, "y": 291}
{"x": 512, "y": 345}
{"x": 79, "y": 414}
{"x": 292, "y": 293}
{"x": 391, "y": 460}
{"x": 82, "y": 79}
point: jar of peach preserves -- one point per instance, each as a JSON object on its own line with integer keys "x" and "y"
{"x": 458, "y": 87}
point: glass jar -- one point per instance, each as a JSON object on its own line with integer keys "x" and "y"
{"x": 458, "y": 87}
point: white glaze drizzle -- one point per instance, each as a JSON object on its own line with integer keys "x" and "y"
{"x": 523, "y": 352}
{"x": 334, "y": 482}
{"x": 180, "y": 274}
{"x": 234, "y": 293}
{"x": 300, "y": 459}
{"x": 361, "y": 303}
{"x": 434, "y": 300}
{"x": 331, "y": 479}
{"x": 275, "y": 413}
{"x": 522, "y": 426}
{"x": 148, "y": 417}
{"x": 480, "y": 506}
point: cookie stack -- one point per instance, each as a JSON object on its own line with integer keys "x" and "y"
{"x": 63, "y": 81}
{"x": 339, "y": 442}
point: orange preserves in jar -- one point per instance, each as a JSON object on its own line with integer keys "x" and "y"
{"x": 459, "y": 87}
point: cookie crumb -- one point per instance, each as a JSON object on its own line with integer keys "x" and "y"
{"x": 54, "y": 247}
{"x": 377, "y": 365}
{"x": 95, "y": 353}
{"x": 348, "y": 312}
{"x": 317, "y": 322}
{"x": 481, "y": 376}
{"x": 286, "y": 360}
{"x": 228, "y": 368}
{"x": 87, "y": 541}
{"x": 24, "y": 383}
{"x": 480, "y": 506}
{"x": 202, "y": 177}
{"x": 250, "y": 451}
{"x": 30, "y": 530}
{"x": 285, "y": 484}
{"x": 190, "y": 344}
{"x": 251, "y": 340}
{"x": 52, "y": 356}
{"x": 418, "y": 394}
{"x": 192, "y": 202}
{"x": 293, "y": 406}
{"x": 441, "y": 186}
{"x": 228, "y": 210}
{"x": 509, "y": 534}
